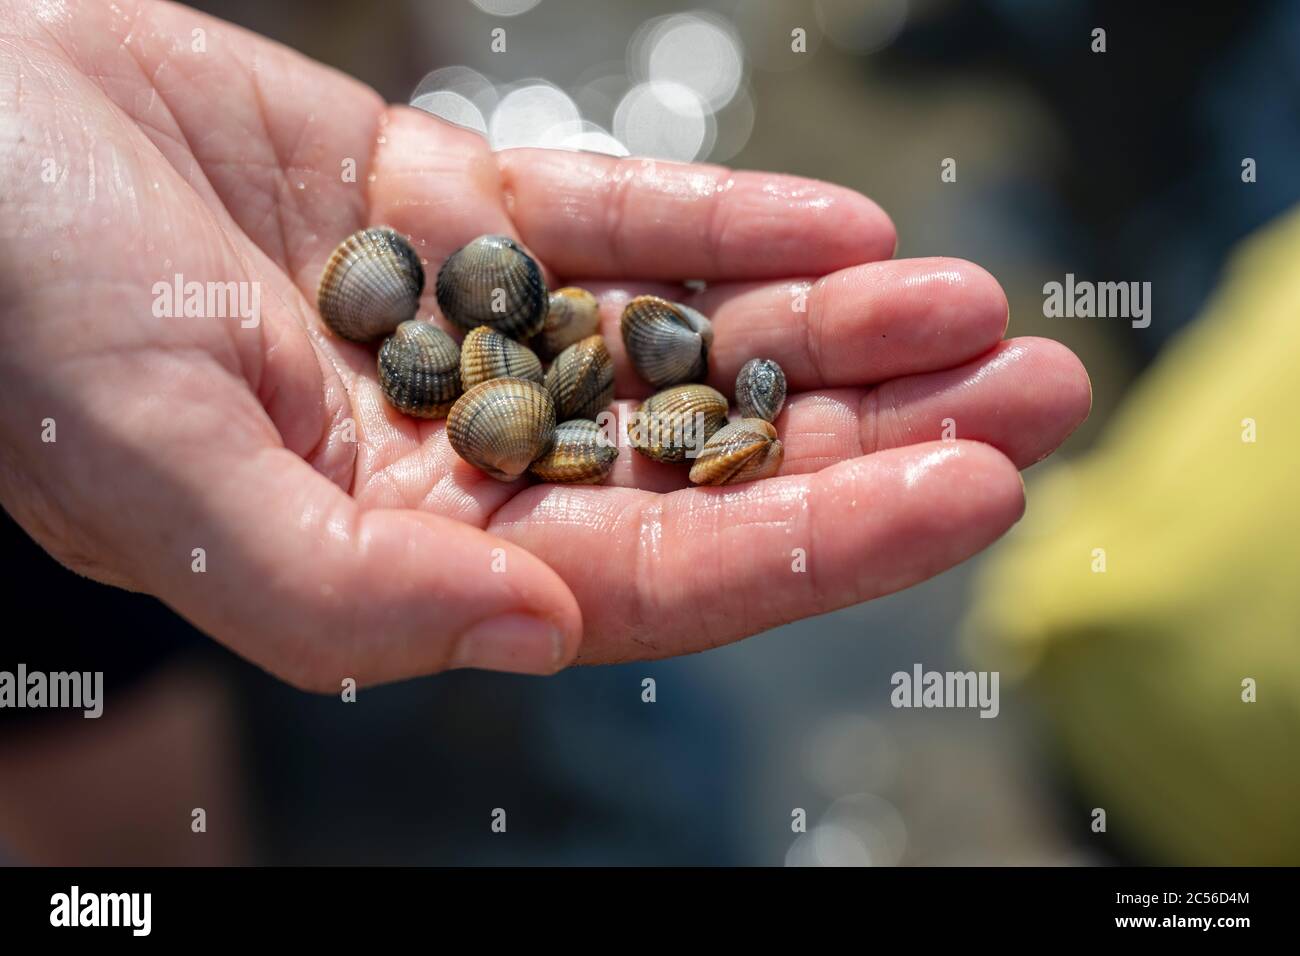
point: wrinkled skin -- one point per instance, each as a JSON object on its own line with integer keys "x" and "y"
{"x": 386, "y": 556}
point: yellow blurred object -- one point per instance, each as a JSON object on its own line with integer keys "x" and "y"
{"x": 1141, "y": 668}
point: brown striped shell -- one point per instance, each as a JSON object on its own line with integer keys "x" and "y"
{"x": 760, "y": 389}
{"x": 668, "y": 343}
{"x": 486, "y": 354}
{"x": 581, "y": 379}
{"x": 744, "y": 450}
{"x": 502, "y": 425}
{"x": 573, "y": 315}
{"x": 419, "y": 370}
{"x": 371, "y": 284}
{"x": 493, "y": 282}
{"x": 580, "y": 454}
{"x": 674, "y": 424}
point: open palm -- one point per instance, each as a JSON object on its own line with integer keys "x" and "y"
{"x": 341, "y": 539}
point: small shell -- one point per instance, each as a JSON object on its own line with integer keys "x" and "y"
{"x": 486, "y": 354}
{"x": 745, "y": 450}
{"x": 492, "y": 282}
{"x": 668, "y": 343}
{"x": 502, "y": 426}
{"x": 419, "y": 369}
{"x": 580, "y": 455}
{"x": 371, "y": 284}
{"x": 760, "y": 390}
{"x": 672, "y": 424}
{"x": 573, "y": 315}
{"x": 581, "y": 379}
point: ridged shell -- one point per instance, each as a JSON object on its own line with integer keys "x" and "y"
{"x": 668, "y": 343}
{"x": 371, "y": 285}
{"x": 573, "y": 315}
{"x": 492, "y": 282}
{"x": 580, "y": 455}
{"x": 760, "y": 389}
{"x": 486, "y": 354}
{"x": 502, "y": 425}
{"x": 745, "y": 450}
{"x": 419, "y": 370}
{"x": 581, "y": 379}
{"x": 672, "y": 424}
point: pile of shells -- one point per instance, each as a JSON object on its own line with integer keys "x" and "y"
{"x": 668, "y": 344}
{"x": 524, "y": 389}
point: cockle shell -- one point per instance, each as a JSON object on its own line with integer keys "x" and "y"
{"x": 668, "y": 343}
{"x": 744, "y": 450}
{"x": 493, "y": 282}
{"x": 672, "y": 424}
{"x": 580, "y": 454}
{"x": 581, "y": 379}
{"x": 573, "y": 315}
{"x": 502, "y": 425}
{"x": 371, "y": 284}
{"x": 419, "y": 369}
{"x": 486, "y": 354}
{"x": 760, "y": 389}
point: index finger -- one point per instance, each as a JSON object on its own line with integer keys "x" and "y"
{"x": 600, "y": 216}
{"x": 659, "y": 575}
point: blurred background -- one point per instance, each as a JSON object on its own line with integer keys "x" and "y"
{"x": 1122, "y": 165}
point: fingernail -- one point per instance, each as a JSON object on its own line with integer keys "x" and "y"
{"x": 512, "y": 642}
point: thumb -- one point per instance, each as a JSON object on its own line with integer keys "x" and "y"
{"x": 276, "y": 562}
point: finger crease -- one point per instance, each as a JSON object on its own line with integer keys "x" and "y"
{"x": 868, "y": 431}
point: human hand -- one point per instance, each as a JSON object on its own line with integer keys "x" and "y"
{"x": 342, "y": 539}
